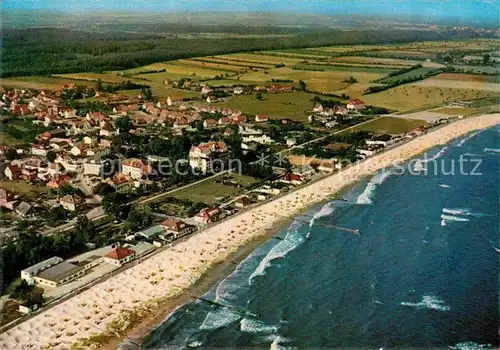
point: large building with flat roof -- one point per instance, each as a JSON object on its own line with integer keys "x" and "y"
{"x": 59, "y": 274}
{"x": 29, "y": 273}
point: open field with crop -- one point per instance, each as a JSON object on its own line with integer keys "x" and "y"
{"x": 224, "y": 68}
{"x": 110, "y": 77}
{"x": 410, "y": 97}
{"x": 411, "y": 74}
{"x": 259, "y": 58}
{"x": 348, "y": 67}
{"x": 401, "y": 53}
{"x": 458, "y": 83}
{"x": 353, "y": 48}
{"x": 477, "y": 69}
{"x": 242, "y": 64}
{"x": 325, "y": 82}
{"x": 466, "y": 77}
{"x": 191, "y": 71}
{"x": 212, "y": 191}
{"x": 294, "y": 105}
{"x": 456, "y": 111}
{"x": 24, "y": 188}
{"x": 389, "y": 125}
{"x": 38, "y": 82}
{"x": 385, "y": 61}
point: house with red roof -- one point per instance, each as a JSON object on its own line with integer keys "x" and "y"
{"x": 136, "y": 168}
{"x": 58, "y": 181}
{"x": 210, "y": 124}
{"x": 355, "y": 105}
{"x": 12, "y": 172}
{"x": 261, "y": 118}
{"x": 120, "y": 256}
{"x": 291, "y": 178}
{"x": 211, "y": 214}
{"x": 206, "y": 154}
{"x": 176, "y": 228}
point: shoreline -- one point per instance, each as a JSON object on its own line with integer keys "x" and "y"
{"x": 141, "y": 331}
{"x": 163, "y": 282}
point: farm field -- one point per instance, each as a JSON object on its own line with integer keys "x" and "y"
{"x": 292, "y": 105}
{"x": 350, "y": 67}
{"x": 467, "y": 77}
{"x": 477, "y": 69}
{"x": 211, "y": 192}
{"x": 192, "y": 71}
{"x": 38, "y": 82}
{"x": 325, "y": 82}
{"x": 23, "y": 188}
{"x": 459, "y": 83}
{"x": 354, "y": 48}
{"x": 262, "y": 58}
{"x": 401, "y": 53}
{"x": 242, "y": 64}
{"x": 389, "y": 125}
{"x": 456, "y": 111}
{"x": 413, "y": 73}
{"x": 224, "y": 68}
{"x": 410, "y": 97}
{"x": 109, "y": 77}
{"x": 385, "y": 61}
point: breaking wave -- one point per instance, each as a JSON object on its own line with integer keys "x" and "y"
{"x": 465, "y": 139}
{"x": 420, "y": 163}
{"x": 492, "y": 150}
{"x": 326, "y": 210}
{"x": 469, "y": 345}
{"x": 452, "y": 218}
{"x": 292, "y": 240}
{"x": 428, "y": 302}
{"x": 256, "y": 326}
{"x": 219, "y": 318}
{"x": 444, "y": 186}
{"x": 371, "y": 186}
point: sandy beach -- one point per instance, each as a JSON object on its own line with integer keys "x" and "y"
{"x": 155, "y": 287}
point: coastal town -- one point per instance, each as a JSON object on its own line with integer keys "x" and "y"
{"x": 124, "y": 181}
{"x": 99, "y": 175}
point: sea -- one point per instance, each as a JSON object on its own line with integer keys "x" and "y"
{"x": 422, "y": 273}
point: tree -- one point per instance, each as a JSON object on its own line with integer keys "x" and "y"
{"x": 486, "y": 58}
{"x": 85, "y": 228}
{"x": 113, "y": 204}
{"x": 124, "y": 124}
{"x": 51, "y": 156}
{"x": 98, "y": 85}
{"x": 302, "y": 85}
{"x": 258, "y": 96}
{"x": 11, "y": 154}
{"x": 140, "y": 216}
{"x": 148, "y": 94}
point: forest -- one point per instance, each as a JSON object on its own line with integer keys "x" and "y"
{"x": 44, "y": 51}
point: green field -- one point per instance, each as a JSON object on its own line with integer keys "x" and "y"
{"x": 411, "y": 74}
{"x": 345, "y": 68}
{"x": 292, "y": 105}
{"x": 389, "y": 125}
{"x": 23, "y": 188}
{"x": 477, "y": 69}
{"x": 211, "y": 192}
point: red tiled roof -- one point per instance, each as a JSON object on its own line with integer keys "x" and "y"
{"x": 120, "y": 253}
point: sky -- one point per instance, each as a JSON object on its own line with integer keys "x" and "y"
{"x": 463, "y": 10}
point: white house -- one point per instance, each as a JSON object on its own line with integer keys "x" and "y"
{"x": 136, "y": 168}
{"x": 205, "y": 155}
{"x": 355, "y": 105}
{"x": 119, "y": 256}
{"x": 259, "y": 138}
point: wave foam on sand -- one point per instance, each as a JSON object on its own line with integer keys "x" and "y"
{"x": 171, "y": 271}
{"x": 371, "y": 187}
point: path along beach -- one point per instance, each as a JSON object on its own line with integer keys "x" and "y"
{"x": 159, "y": 284}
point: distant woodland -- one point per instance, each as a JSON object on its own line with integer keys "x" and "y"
{"x": 44, "y": 51}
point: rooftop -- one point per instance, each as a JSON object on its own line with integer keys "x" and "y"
{"x": 60, "y": 271}
{"x": 43, "y": 264}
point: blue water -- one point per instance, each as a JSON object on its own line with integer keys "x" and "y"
{"x": 422, "y": 273}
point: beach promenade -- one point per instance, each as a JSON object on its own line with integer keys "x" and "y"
{"x": 113, "y": 305}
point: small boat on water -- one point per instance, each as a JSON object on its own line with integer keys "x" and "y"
{"x": 497, "y": 249}
{"x": 308, "y": 235}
